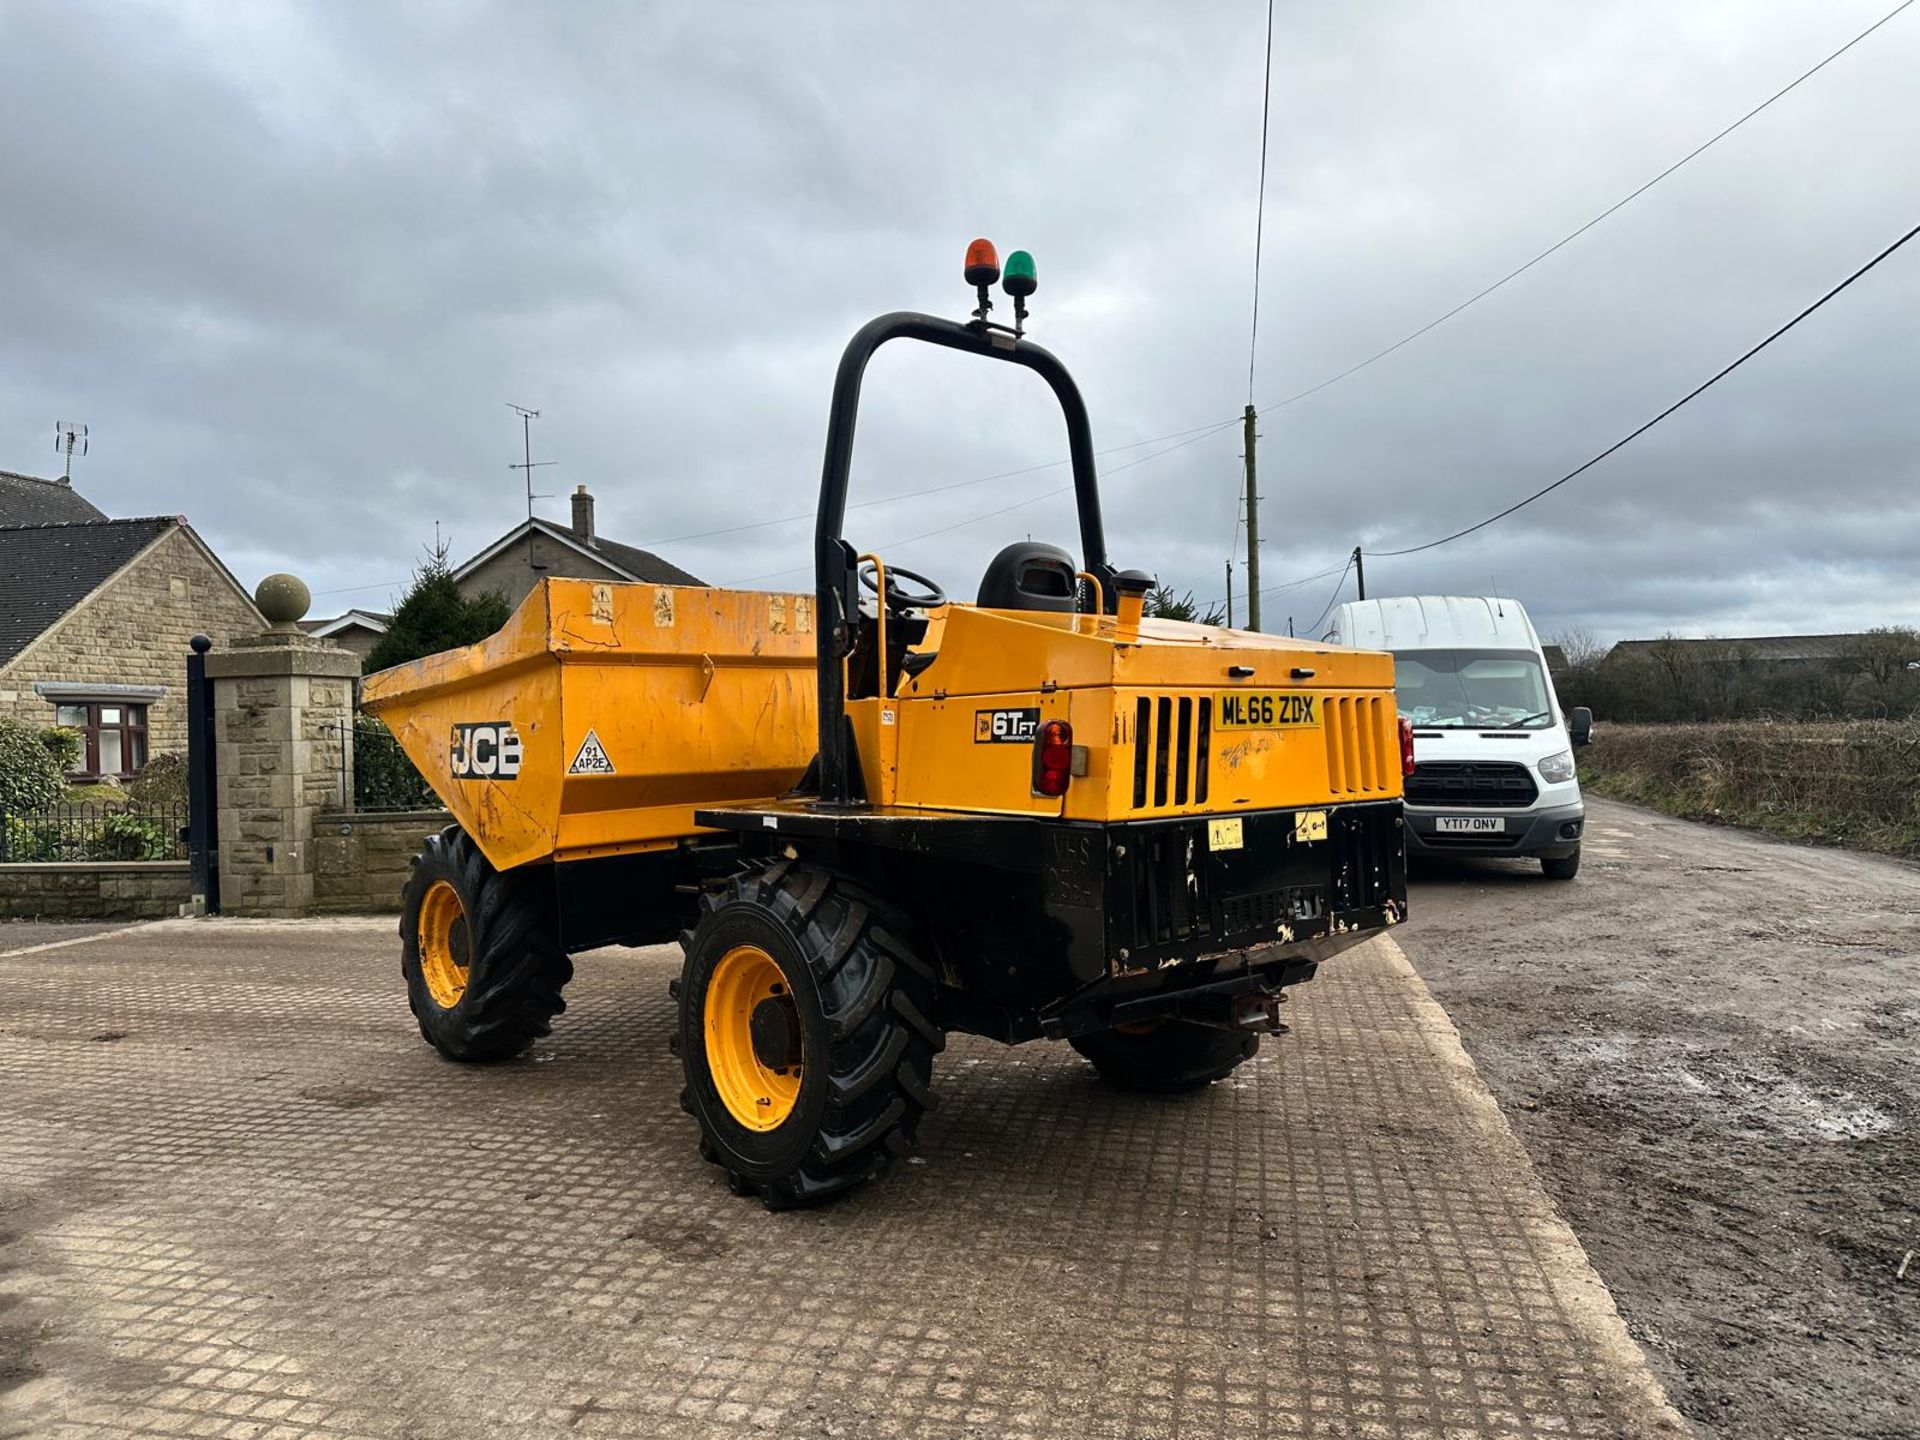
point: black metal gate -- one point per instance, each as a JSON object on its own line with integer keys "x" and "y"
{"x": 203, "y": 813}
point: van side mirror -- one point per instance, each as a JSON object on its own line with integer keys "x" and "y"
{"x": 1580, "y": 725}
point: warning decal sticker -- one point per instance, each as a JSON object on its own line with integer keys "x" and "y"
{"x": 591, "y": 758}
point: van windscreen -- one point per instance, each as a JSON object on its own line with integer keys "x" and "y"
{"x": 1472, "y": 689}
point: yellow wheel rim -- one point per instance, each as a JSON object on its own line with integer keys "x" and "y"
{"x": 759, "y": 1096}
{"x": 444, "y": 946}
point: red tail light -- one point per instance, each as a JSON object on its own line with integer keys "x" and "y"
{"x": 1053, "y": 758}
{"x": 1406, "y": 746}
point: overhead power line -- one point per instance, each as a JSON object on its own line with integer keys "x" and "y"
{"x": 1627, "y": 439}
{"x": 1573, "y": 235}
{"x": 1280, "y": 589}
{"x": 1333, "y": 599}
{"x": 1005, "y": 509}
{"x": 1331, "y": 380}
{"x": 1198, "y": 431}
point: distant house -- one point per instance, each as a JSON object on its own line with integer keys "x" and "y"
{"x": 1775, "y": 653}
{"x": 95, "y": 616}
{"x": 537, "y": 549}
{"x": 356, "y": 630}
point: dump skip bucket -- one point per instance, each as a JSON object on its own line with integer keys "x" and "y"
{"x": 601, "y": 714}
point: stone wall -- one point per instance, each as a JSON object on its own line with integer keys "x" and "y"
{"x": 94, "y": 890}
{"x": 361, "y": 861}
{"x": 134, "y": 631}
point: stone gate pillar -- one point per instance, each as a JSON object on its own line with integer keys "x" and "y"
{"x": 283, "y": 719}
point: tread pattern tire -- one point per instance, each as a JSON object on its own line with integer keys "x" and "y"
{"x": 1174, "y": 1056}
{"x": 516, "y": 968}
{"x": 1564, "y": 867}
{"x": 865, "y": 1002}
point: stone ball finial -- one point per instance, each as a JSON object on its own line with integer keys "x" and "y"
{"x": 283, "y": 599}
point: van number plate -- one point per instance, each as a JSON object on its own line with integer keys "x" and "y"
{"x": 1470, "y": 825}
{"x": 1266, "y": 710}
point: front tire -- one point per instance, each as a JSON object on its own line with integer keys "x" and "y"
{"x": 480, "y": 951}
{"x": 1167, "y": 1058}
{"x": 1563, "y": 867}
{"x": 805, "y": 1033}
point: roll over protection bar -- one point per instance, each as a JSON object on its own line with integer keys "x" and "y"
{"x": 835, "y": 566}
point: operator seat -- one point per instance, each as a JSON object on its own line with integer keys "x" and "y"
{"x": 1028, "y": 575}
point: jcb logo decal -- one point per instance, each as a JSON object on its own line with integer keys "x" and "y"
{"x": 488, "y": 751}
{"x": 1266, "y": 710}
{"x": 1006, "y": 727}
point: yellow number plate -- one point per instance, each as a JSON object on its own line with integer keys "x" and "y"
{"x": 1266, "y": 710}
{"x": 1310, "y": 825}
{"x": 1225, "y": 834}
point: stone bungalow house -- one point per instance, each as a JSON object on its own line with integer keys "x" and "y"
{"x": 95, "y": 615}
{"x": 355, "y": 630}
{"x": 536, "y": 549}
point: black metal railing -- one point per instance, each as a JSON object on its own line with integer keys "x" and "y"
{"x": 381, "y": 776}
{"x": 90, "y": 830}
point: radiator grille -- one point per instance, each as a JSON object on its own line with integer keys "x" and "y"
{"x": 1172, "y": 750}
{"x": 1482, "y": 782}
{"x": 1360, "y": 759}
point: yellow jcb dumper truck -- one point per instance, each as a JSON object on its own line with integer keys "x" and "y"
{"x": 872, "y": 815}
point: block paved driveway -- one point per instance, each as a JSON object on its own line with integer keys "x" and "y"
{"x": 240, "y": 1197}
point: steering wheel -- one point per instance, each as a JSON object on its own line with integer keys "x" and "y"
{"x": 898, "y": 596}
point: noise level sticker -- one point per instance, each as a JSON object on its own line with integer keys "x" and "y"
{"x": 591, "y": 758}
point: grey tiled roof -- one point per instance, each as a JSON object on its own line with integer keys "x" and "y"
{"x": 29, "y": 500}
{"x": 642, "y": 565}
{"x": 46, "y": 570}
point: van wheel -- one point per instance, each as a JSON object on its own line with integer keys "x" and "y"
{"x": 1166, "y": 1058}
{"x": 480, "y": 951}
{"x": 1564, "y": 867}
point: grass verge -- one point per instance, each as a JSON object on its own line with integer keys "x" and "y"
{"x": 1852, "y": 783}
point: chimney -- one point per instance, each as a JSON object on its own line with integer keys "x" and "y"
{"x": 583, "y": 513}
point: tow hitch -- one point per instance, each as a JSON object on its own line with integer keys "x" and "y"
{"x": 1260, "y": 1011}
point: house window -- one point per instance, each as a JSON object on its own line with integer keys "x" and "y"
{"x": 116, "y": 736}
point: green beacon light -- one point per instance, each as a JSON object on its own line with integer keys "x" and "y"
{"x": 1020, "y": 281}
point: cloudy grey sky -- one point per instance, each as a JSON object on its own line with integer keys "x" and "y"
{"x": 289, "y": 261}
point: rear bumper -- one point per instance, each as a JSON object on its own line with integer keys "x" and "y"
{"x": 1169, "y": 922}
{"x": 1043, "y": 926}
{"x": 1553, "y": 831}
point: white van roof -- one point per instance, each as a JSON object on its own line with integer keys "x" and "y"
{"x": 1434, "y": 622}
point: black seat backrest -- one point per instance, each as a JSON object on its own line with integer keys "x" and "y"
{"x": 1031, "y": 576}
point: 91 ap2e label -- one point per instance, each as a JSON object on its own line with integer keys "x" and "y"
{"x": 485, "y": 750}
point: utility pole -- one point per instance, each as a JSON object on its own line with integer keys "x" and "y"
{"x": 1229, "y": 592}
{"x": 1360, "y": 572}
{"x": 1253, "y": 531}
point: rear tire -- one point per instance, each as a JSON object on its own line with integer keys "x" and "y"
{"x": 1564, "y": 867}
{"x": 1171, "y": 1057}
{"x": 805, "y": 1033}
{"x": 480, "y": 951}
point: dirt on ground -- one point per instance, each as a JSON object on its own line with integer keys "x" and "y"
{"x": 1709, "y": 1043}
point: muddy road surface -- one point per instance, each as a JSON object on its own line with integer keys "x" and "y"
{"x": 1710, "y": 1044}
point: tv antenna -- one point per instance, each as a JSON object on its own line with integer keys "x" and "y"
{"x": 68, "y": 436}
{"x": 527, "y": 466}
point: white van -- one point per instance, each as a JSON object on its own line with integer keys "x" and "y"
{"x": 1493, "y": 766}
